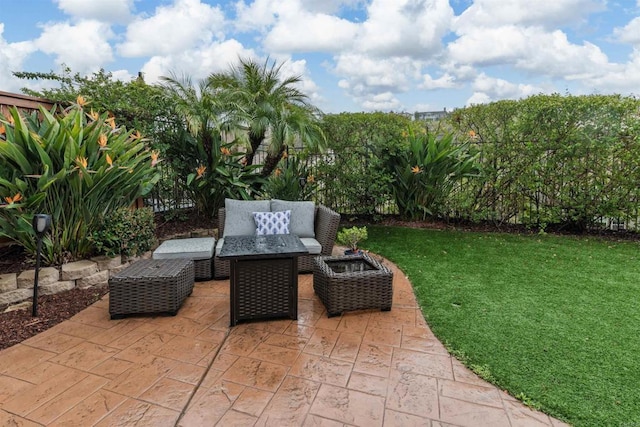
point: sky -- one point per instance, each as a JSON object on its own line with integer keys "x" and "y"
{"x": 352, "y": 55}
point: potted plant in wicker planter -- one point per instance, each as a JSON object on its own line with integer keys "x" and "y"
{"x": 350, "y": 237}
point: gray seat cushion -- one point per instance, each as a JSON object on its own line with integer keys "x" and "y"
{"x": 194, "y": 249}
{"x": 239, "y": 216}
{"x": 302, "y": 221}
{"x": 313, "y": 246}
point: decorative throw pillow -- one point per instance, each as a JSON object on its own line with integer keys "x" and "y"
{"x": 272, "y": 222}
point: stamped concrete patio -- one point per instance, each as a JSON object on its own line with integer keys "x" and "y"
{"x": 366, "y": 368}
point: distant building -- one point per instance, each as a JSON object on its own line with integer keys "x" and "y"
{"x": 430, "y": 116}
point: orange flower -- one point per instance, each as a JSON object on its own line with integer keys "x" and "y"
{"x": 94, "y": 115}
{"x": 14, "y": 199}
{"x": 81, "y": 101}
{"x": 82, "y": 161}
{"x": 225, "y": 151}
{"x": 311, "y": 178}
{"x": 109, "y": 161}
{"x": 201, "y": 170}
{"x": 102, "y": 140}
{"x": 416, "y": 169}
{"x": 136, "y": 135}
{"x": 111, "y": 121}
{"x": 277, "y": 172}
{"x": 285, "y": 154}
{"x": 472, "y": 134}
{"x": 154, "y": 158}
{"x": 11, "y": 121}
{"x": 3, "y": 130}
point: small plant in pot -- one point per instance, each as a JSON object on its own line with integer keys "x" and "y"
{"x": 350, "y": 237}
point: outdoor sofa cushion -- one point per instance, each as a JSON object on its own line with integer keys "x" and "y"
{"x": 272, "y": 222}
{"x": 302, "y": 216}
{"x": 239, "y": 219}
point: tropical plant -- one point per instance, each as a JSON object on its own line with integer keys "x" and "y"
{"x": 353, "y": 172}
{"x": 212, "y": 168}
{"x": 75, "y": 166}
{"x": 292, "y": 180}
{"x": 270, "y": 107}
{"x": 426, "y": 171}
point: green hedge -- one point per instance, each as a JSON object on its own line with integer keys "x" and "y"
{"x": 547, "y": 160}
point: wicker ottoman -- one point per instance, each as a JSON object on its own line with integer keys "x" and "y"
{"x": 151, "y": 286}
{"x": 199, "y": 249}
{"x": 352, "y": 282}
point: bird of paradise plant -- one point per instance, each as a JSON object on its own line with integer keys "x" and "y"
{"x": 426, "y": 169}
{"x": 73, "y": 166}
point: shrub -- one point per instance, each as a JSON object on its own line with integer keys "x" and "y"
{"x": 74, "y": 166}
{"x": 351, "y": 236}
{"x": 426, "y": 171}
{"x": 125, "y": 232}
{"x": 292, "y": 180}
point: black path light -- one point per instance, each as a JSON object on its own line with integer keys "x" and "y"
{"x": 41, "y": 224}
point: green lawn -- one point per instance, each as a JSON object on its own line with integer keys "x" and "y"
{"x": 554, "y": 320}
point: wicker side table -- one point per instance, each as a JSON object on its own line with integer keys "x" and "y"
{"x": 352, "y": 282}
{"x": 151, "y": 286}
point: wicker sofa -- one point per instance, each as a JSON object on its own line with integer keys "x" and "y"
{"x": 325, "y": 228}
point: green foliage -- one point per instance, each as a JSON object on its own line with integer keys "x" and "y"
{"x": 125, "y": 231}
{"x": 135, "y": 104}
{"x": 426, "y": 171}
{"x": 351, "y": 236}
{"x": 260, "y": 99}
{"x": 552, "y": 160}
{"x": 353, "y": 171}
{"x": 73, "y": 166}
{"x": 212, "y": 168}
{"x": 292, "y": 180}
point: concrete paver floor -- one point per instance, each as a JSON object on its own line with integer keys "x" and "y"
{"x": 364, "y": 368}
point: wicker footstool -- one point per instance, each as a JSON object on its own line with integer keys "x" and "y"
{"x": 151, "y": 286}
{"x": 198, "y": 249}
{"x": 352, "y": 282}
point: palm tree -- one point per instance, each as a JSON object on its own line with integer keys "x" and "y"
{"x": 258, "y": 98}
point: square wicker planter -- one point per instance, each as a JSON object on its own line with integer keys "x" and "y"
{"x": 151, "y": 286}
{"x": 352, "y": 282}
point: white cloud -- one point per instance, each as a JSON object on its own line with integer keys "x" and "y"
{"x": 173, "y": 29}
{"x": 446, "y": 81}
{"x": 621, "y": 78}
{"x": 487, "y": 89}
{"x": 100, "y": 10}
{"x": 546, "y": 13}
{"x": 405, "y": 27}
{"x": 385, "y": 101}
{"x": 528, "y": 48}
{"x": 299, "y": 68}
{"x": 12, "y": 56}
{"x": 196, "y": 63}
{"x": 304, "y": 32}
{"x": 84, "y": 46}
{"x": 630, "y": 33}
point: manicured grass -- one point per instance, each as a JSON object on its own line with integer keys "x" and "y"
{"x": 554, "y": 320}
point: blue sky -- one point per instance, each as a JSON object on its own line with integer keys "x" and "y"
{"x": 353, "y": 55}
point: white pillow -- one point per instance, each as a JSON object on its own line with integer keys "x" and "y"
{"x": 272, "y": 222}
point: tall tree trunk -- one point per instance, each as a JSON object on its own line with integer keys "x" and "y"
{"x": 271, "y": 162}
{"x": 255, "y": 141}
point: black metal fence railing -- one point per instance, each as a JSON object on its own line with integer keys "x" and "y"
{"x": 350, "y": 192}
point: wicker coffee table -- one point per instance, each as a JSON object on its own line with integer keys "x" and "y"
{"x": 264, "y": 275}
{"x": 151, "y": 286}
{"x": 352, "y": 282}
